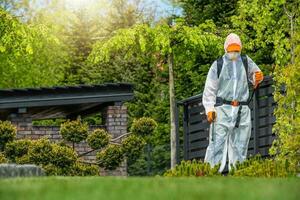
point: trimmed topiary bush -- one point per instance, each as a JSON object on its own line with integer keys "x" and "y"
{"x": 144, "y": 126}
{"x": 63, "y": 156}
{"x": 193, "y": 168}
{"x": 133, "y": 146}
{"x": 98, "y": 139}
{"x": 41, "y": 152}
{"x": 77, "y": 169}
{"x": 74, "y": 131}
{"x": 17, "y": 149}
{"x": 7, "y": 133}
{"x": 52, "y": 170}
{"x": 56, "y": 159}
{"x": 111, "y": 157}
{"x": 81, "y": 169}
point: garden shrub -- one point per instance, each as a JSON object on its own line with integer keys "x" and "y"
{"x": 25, "y": 159}
{"x": 17, "y": 149}
{"x": 7, "y": 133}
{"x": 287, "y": 112}
{"x": 259, "y": 167}
{"x": 193, "y": 168}
{"x": 52, "y": 170}
{"x": 143, "y": 126}
{"x": 63, "y": 144}
{"x": 81, "y": 169}
{"x": 41, "y": 152}
{"x": 133, "y": 146}
{"x": 63, "y": 156}
{"x": 74, "y": 131}
{"x": 2, "y": 158}
{"x": 111, "y": 157}
{"x": 58, "y": 159}
{"x": 98, "y": 139}
{"x": 77, "y": 169}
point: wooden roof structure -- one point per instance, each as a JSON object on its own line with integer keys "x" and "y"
{"x": 63, "y": 101}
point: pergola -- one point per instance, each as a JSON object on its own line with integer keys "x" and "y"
{"x": 63, "y": 101}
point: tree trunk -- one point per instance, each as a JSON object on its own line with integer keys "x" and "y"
{"x": 172, "y": 111}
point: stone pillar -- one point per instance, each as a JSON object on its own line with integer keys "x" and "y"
{"x": 23, "y": 123}
{"x": 116, "y": 119}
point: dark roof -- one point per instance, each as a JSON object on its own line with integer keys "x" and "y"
{"x": 63, "y": 101}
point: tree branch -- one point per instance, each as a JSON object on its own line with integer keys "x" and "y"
{"x": 112, "y": 141}
{"x": 119, "y": 137}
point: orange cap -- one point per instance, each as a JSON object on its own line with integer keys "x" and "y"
{"x": 233, "y": 47}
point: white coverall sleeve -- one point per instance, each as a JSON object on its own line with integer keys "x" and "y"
{"x": 252, "y": 67}
{"x": 210, "y": 89}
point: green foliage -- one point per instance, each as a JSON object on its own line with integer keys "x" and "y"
{"x": 133, "y": 146}
{"x": 80, "y": 169}
{"x": 48, "y": 122}
{"x": 41, "y": 152}
{"x": 193, "y": 168}
{"x": 52, "y": 170}
{"x": 25, "y": 159}
{"x": 80, "y": 38}
{"x": 264, "y": 27}
{"x": 30, "y": 52}
{"x": 272, "y": 28}
{"x": 98, "y": 139}
{"x": 143, "y": 126}
{"x": 287, "y": 144}
{"x": 2, "y": 158}
{"x": 74, "y": 131}
{"x": 259, "y": 167}
{"x": 63, "y": 156}
{"x": 111, "y": 157}
{"x": 197, "y": 11}
{"x": 16, "y": 149}
{"x": 55, "y": 159}
{"x": 7, "y": 133}
{"x": 77, "y": 169}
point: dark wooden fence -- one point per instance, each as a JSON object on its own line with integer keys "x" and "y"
{"x": 196, "y": 127}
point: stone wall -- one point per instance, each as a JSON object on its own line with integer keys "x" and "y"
{"x": 115, "y": 118}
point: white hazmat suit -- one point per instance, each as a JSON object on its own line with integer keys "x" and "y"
{"x": 231, "y": 85}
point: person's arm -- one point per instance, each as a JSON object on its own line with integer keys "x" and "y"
{"x": 253, "y": 70}
{"x": 210, "y": 89}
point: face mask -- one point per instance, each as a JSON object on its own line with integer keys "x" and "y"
{"x": 233, "y": 55}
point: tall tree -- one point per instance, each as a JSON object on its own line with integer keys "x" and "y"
{"x": 30, "y": 55}
{"x": 198, "y": 11}
{"x": 125, "y": 14}
{"x": 81, "y": 34}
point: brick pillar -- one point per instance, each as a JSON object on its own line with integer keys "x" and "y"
{"x": 23, "y": 123}
{"x": 116, "y": 119}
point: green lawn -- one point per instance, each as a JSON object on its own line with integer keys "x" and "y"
{"x": 106, "y": 188}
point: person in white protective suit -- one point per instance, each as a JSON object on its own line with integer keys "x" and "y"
{"x": 225, "y": 99}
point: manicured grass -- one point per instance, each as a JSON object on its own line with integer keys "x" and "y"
{"x": 107, "y": 188}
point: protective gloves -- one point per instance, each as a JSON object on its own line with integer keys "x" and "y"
{"x": 211, "y": 116}
{"x": 258, "y": 77}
